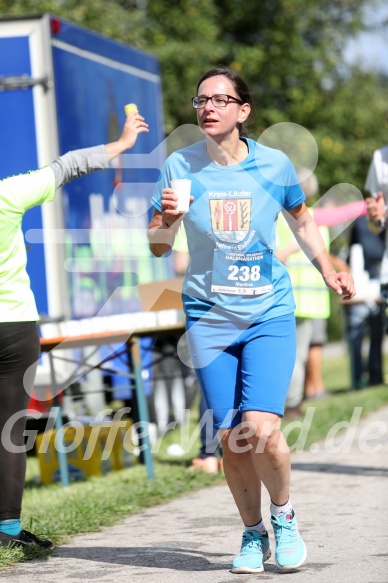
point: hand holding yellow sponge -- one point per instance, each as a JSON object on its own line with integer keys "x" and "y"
{"x": 130, "y": 108}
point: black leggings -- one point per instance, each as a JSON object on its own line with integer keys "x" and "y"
{"x": 19, "y": 349}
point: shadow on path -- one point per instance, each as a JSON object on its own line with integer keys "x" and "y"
{"x": 341, "y": 469}
{"x": 155, "y": 557}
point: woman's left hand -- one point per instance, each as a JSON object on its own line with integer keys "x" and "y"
{"x": 342, "y": 283}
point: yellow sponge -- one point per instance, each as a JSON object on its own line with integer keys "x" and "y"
{"x": 130, "y": 108}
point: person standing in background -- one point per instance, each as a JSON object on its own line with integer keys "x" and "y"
{"x": 314, "y": 386}
{"x": 311, "y": 296}
{"x": 377, "y": 184}
{"x": 366, "y": 315}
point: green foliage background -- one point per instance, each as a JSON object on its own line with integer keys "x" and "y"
{"x": 290, "y": 52}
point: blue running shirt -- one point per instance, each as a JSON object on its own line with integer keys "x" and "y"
{"x": 233, "y": 272}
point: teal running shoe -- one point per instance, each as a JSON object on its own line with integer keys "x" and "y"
{"x": 254, "y": 551}
{"x": 290, "y": 551}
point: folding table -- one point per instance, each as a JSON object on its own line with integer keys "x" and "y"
{"x": 130, "y": 342}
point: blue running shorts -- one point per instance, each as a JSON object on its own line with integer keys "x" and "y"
{"x": 242, "y": 368}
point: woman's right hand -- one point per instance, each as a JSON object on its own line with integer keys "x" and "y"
{"x": 164, "y": 224}
{"x": 169, "y": 203}
{"x": 170, "y": 215}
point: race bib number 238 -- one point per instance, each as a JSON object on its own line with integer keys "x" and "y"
{"x": 247, "y": 274}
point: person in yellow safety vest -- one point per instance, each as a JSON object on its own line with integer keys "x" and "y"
{"x": 311, "y": 295}
{"x": 310, "y": 292}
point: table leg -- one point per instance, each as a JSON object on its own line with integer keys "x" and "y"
{"x": 62, "y": 457}
{"x": 134, "y": 348}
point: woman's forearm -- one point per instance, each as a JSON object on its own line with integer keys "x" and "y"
{"x": 160, "y": 240}
{"x": 311, "y": 242}
{"x": 79, "y": 162}
{"x": 161, "y": 237}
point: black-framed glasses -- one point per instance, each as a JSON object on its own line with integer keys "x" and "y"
{"x": 219, "y": 101}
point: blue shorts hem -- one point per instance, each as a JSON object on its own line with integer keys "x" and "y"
{"x": 237, "y": 419}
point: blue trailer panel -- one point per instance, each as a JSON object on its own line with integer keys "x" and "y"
{"x": 92, "y": 246}
{"x": 18, "y": 152}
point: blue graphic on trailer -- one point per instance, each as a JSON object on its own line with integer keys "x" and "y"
{"x": 107, "y": 75}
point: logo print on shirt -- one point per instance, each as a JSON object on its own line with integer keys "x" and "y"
{"x": 231, "y": 218}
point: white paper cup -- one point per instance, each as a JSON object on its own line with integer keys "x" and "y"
{"x": 182, "y": 188}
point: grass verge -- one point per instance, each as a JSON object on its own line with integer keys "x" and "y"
{"x": 58, "y": 513}
{"x": 338, "y": 408}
